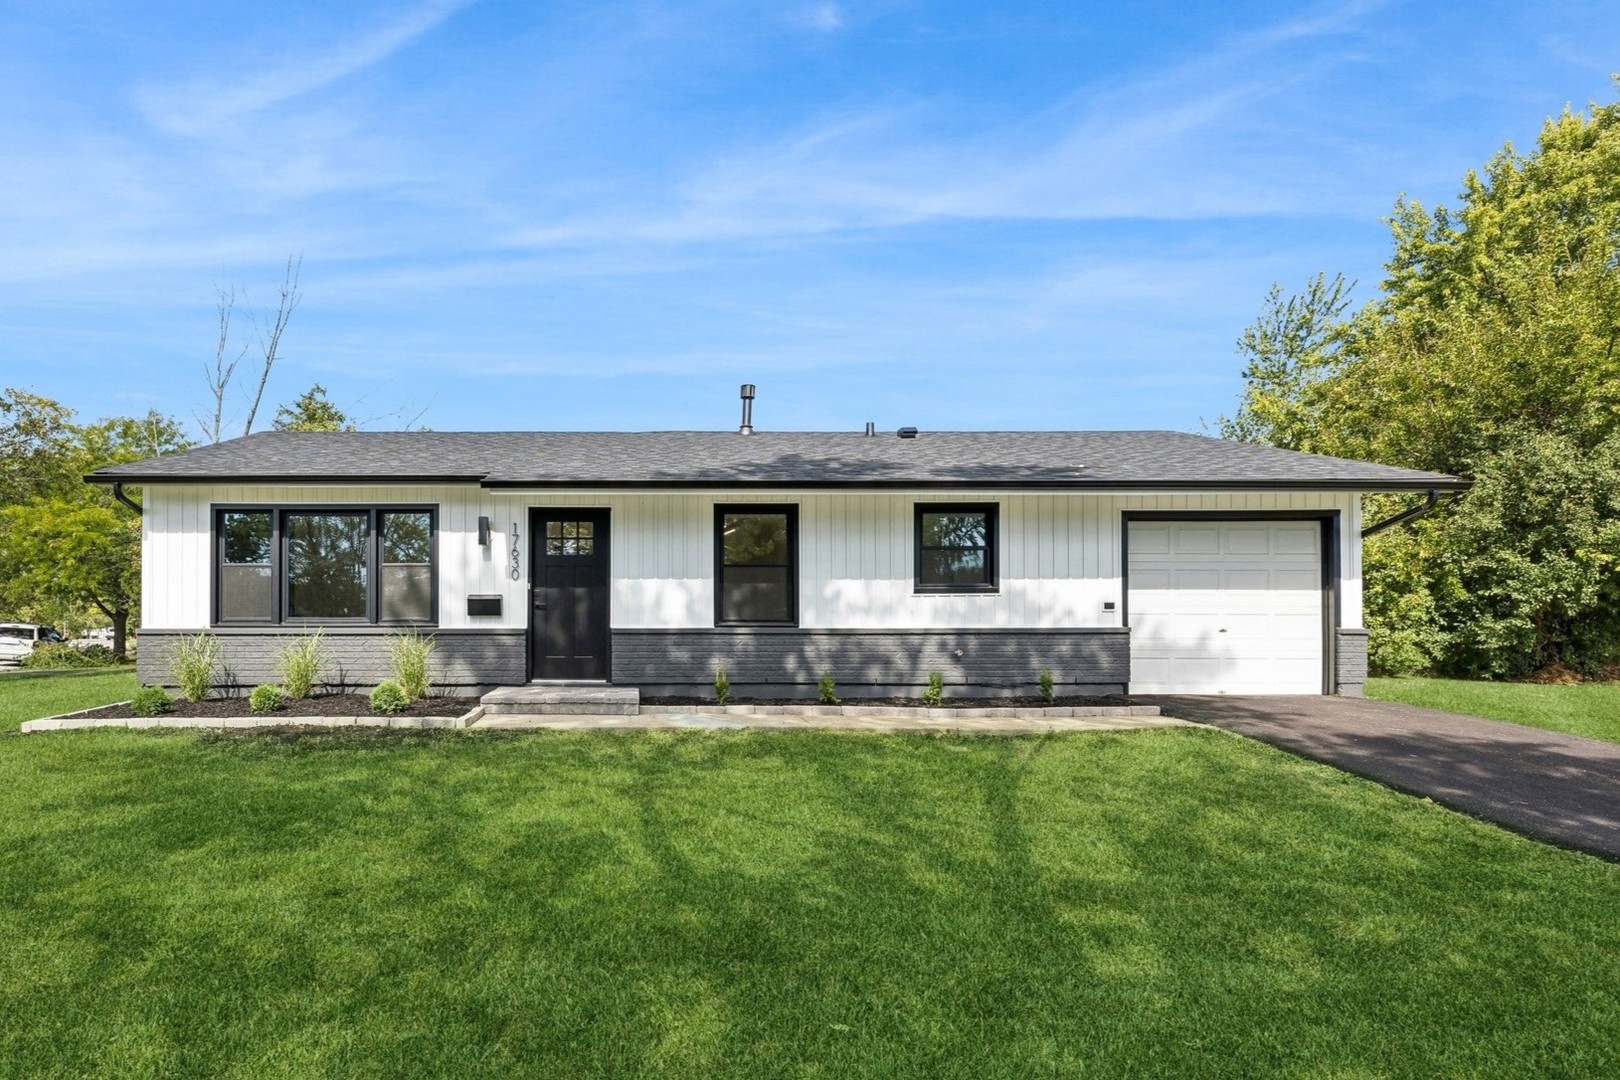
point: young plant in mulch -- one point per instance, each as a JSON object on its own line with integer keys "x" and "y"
{"x": 150, "y": 701}
{"x": 389, "y": 698}
{"x": 722, "y": 686}
{"x": 192, "y": 663}
{"x": 1046, "y": 685}
{"x": 410, "y": 655}
{"x": 301, "y": 664}
{"x": 827, "y": 689}
{"x": 266, "y": 699}
{"x": 936, "y": 689}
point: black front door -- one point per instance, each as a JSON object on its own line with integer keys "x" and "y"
{"x": 568, "y": 588}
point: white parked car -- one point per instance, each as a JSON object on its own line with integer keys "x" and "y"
{"x": 17, "y": 640}
{"x": 13, "y": 649}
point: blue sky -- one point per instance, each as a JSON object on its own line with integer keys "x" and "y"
{"x": 607, "y": 215}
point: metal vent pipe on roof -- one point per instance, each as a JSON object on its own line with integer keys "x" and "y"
{"x": 871, "y": 428}
{"x": 748, "y": 409}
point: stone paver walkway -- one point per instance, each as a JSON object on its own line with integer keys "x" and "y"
{"x": 979, "y": 725}
{"x": 1555, "y": 787}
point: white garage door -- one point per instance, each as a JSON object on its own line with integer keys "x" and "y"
{"x": 1225, "y": 607}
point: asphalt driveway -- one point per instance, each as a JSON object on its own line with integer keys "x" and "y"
{"x": 1544, "y": 784}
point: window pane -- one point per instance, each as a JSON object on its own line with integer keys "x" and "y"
{"x": 244, "y": 592}
{"x": 756, "y": 594}
{"x": 247, "y": 536}
{"x": 327, "y": 565}
{"x": 755, "y": 539}
{"x": 407, "y": 593}
{"x": 407, "y": 536}
{"x": 954, "y": 530}
{"x": 407, "y": 571}
{"x": 965, "y": 566}
{"x": 244, "y": 580}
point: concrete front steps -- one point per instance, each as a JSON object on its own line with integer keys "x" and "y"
{"x": 562, "y": 699}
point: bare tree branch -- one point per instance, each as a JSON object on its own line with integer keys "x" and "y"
{"x": 271, "y": 342}
{"x": 219, "y": 377}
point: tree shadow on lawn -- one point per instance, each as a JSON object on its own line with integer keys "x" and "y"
{"x": 744, "y": 904}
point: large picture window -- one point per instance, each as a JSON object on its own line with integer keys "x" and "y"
{"x": 341, "y": 564}
{"x": 756, "y": 565}
{"x": 956, "y": 548}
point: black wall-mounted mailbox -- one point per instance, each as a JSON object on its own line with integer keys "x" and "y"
{"x": 483, "y": 605}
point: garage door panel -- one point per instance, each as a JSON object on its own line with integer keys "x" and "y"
{"x": 1226, "y": 608}
{"x": 1151, "y": 539}
{"x": 1241, "y": 541}
{"x": 1296, "y": 539}
{"x": 1195, "y": 541}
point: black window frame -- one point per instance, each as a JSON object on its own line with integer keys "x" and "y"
{"x": 278, "y": 562}
{"x": 791, "y": 511}
{"x": 992, "y": 549}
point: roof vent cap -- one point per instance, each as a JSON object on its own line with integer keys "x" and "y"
{"x": 871, "y": 428}
{"x": 907, "y": 433}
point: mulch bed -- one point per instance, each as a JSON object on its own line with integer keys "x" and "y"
{"x": 1027, "y": 702}
{"x": 323, "y": 705}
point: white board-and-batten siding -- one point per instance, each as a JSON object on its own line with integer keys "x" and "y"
{"x": 1060, "y": 554}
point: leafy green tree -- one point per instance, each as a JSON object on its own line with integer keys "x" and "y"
{"x": 1493, "y": 352}
{"x": 64, "y": 543}
{"x": 36, "y": 446}
{"x": 312, "y": 412}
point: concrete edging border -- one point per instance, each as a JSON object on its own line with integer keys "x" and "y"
{"x": 903, "y": 712}
{"x": 79, "y": 721}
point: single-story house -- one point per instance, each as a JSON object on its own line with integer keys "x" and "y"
{"x": 1140, "y": 561}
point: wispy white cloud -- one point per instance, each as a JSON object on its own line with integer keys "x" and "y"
{"x": 205, "y": 105}
{"x": 823, "y": 17}
{"x": 1209, "y": 137}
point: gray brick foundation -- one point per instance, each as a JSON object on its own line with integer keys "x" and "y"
{"x": 1350, "y": 663}
{"x": 771, "y": 662}
{"x": 358, "y": 658}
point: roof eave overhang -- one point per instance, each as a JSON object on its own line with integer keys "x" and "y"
{"x": 1101, "y": 486}
{"x": 705, "y": 484}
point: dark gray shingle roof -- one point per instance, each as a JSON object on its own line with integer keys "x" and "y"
{"x": 1013, "y": 459}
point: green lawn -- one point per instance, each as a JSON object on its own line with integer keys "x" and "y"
{"x": 1590, "y": 709}
{"x": 29, "y": 698}
{"x": 1174, "y": 902}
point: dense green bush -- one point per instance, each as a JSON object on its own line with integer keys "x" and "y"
{"x": 150, "y": 701}
{"x": 936, "y": 689}
{"x": 722, "y": 686}
{"x": 389, "y": 697}
{"x": 56, "y": 655}
{"x": 1046, "y": 685}
{"x": 266, "y": 699}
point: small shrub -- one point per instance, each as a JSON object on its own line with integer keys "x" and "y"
{"x": 55, "y": 655}
{"x": 389, "y": 697}
{"x": 936, "y": 689}
{"x": 410, "y": 653}
{"x": 150, "y": 701}
{"x": 722, "y": 686}
{"x": 301, "y": 664}
{"x": 192, "y": 664}
{"x": 266, "y": 699}
{"x": 828, "y": 689}
{"x": 1046, "y": 685}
